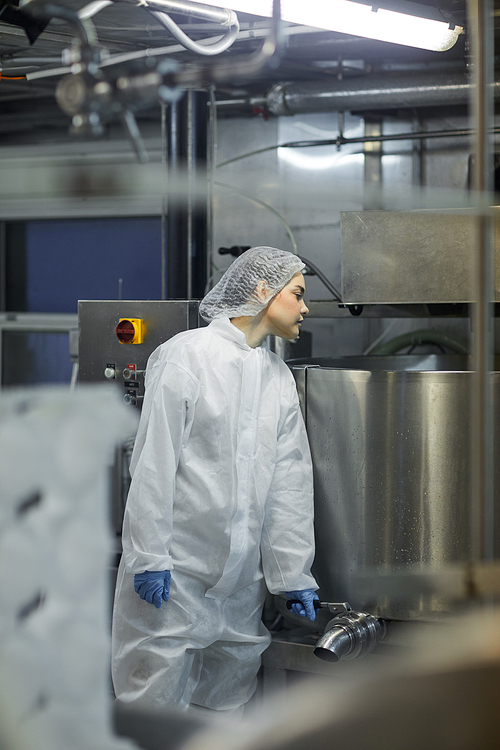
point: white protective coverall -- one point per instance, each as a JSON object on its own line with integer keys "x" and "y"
{"x": 221, "y": 495}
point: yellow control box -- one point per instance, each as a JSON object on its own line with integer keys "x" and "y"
{"x": 130, "y": 331}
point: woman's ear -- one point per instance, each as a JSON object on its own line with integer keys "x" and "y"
{"x": 262, "y": 291}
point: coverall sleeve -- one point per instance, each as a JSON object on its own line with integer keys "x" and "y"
{"x": 288, "y": 534}
{"x": 165, "y": 425}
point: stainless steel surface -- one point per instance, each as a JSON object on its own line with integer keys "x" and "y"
{"x": 409, "y": 257}
{"x": 332, "y": 309}
{"x": 191, "y": 155}
{"x": 103, "y": 359}
{"x": 373, "y": 152}
{"x": 335, "y": 608}
{"x": 391, "y": 454}
{"x": 334, "y": 645}
{"x": 301, "y": 347}
{"x": 441, "y": 694}
{"x": 480, "y": 14}
{"x": 99, "y": 346}
{"x": 350, "y": 636}
{"x": 296, "y": 657}
{"x": 457, "y": 581}
{"x": 120, "y": 484}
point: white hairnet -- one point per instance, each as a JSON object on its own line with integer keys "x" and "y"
{"x": 250, "y": 282}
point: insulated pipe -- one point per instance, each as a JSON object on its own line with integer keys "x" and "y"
{"x": 204, "y": 12}
{"x": 186, "y": 223}
{"x": 372, "y": 92}
{"x": 200, "y": 49}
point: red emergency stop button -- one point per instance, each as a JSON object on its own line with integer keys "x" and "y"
{"x": 130, "y": 331}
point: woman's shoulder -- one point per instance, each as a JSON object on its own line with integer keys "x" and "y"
{"x": 183, "y": 343}
{"x": 278, "y": 365}
{"x": 178, "y": 359}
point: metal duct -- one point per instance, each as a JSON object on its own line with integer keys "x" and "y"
{"x": 372, "y": 92}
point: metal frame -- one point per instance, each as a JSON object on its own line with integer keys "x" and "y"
{"x": 32, "y": 322}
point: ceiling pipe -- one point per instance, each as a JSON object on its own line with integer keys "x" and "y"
{"x": 373, "y": 92}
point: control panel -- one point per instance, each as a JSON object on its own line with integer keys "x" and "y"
{"x": 116, "y": 339}
{"x": 132, "y": 383}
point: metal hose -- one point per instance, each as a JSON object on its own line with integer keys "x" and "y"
{"x": 417, "y": 338}
{"x": 201, "y": 49}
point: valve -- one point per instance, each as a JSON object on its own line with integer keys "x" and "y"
{"x": 350, "y": 636}
{"x": 130, "y": 372}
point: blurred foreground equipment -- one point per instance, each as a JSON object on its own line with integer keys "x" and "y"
{"x": 56, "y": 447}
{"x": 442, "y": 693}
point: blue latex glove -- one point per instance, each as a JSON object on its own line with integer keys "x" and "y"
{"x": 153, "y": 586}
{"x": 307, "y": 597}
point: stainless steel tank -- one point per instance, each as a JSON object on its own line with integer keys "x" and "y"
{"x": 391, "y": 451}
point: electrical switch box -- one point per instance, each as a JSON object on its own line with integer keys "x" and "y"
{"x": 130, "y": 331}
{"x": 106, "y": 328}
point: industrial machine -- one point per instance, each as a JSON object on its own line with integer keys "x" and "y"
{"x": 117, "y": 337}
{"x": 391, "y": 445}
{"x": 390, "y": 441}
{"x": 115, "y": 341}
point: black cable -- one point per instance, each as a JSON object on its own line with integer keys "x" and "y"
{"x": 323, "y": 278}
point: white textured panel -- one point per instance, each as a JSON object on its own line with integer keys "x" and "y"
{"x": 55, "y": 544}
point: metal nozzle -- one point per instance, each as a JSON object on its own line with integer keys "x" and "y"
{"x": 334, "y": 645}
{"x": 350, "y": 636}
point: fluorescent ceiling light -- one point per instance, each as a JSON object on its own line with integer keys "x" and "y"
{"x": 411, "y": 25}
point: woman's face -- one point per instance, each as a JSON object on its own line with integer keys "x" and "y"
{"x": 285, "y": 312}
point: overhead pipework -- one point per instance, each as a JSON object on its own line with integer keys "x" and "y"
{"x": 225, "y": 17}
{"x": 91, "y": 97}
{"x": 408, "y": 23}
{"x": 374, "y": 92}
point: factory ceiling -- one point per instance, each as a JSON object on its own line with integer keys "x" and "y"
{"x": 30, "y": 71}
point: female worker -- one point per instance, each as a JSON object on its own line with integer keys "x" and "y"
{"x": 220, "y": 504}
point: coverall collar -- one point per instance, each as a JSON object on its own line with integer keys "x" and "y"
{"x": 223, "y": 327}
